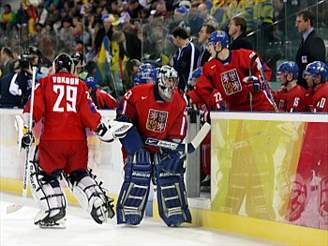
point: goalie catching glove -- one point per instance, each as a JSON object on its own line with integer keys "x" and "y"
{"x": 107, "y": 131}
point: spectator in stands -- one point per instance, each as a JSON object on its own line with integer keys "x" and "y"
{"x": 66, "y": 32}
{"x": 8, "y": 100}
{"x": 6, "y": 60}
{"x": 203, "y": 35}
{"x": 237, "y": 32}
{"x": 131, "y": 71}
{"x": 185, "y": 58}
{"x": 132, "y": 40}
{"x": 22, "y": 16}
{"x": 135, "y": 9}
{"x": 312, "y": 47}
{"x": 106, "y": 28}
{"x": 197, "y": 17}
{"x": 8, "y": 17}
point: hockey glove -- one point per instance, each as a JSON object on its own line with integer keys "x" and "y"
{"x": 253, "y": 84}
{"x": 108, "y": 131}
{"x": 104, "y": 133}
{"x": 172, "y": 161}
{"x": 27, "y": 138}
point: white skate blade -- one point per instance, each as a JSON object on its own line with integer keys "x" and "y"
{"x": 13, "y": 208}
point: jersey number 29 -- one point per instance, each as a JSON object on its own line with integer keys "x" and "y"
{"x": 71, "y": 94}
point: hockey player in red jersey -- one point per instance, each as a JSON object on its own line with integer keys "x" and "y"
{"x": 309, "y": 197}
{"x": 316, "y": 76}
{"x": 100, "y": 98}
{"x": 291, "y": 98}
{"x": 63, "y": 104}
{"x": 236, "y": 75}
{"x": 237, "y": 79}
{"x": 156, "y": 110}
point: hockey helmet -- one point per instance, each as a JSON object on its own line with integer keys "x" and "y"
{"x": 219, "y": 37}
{"x": 316, "y": 68}
{"x": 167, "y": 79}
{"x": 91, "y": 82}
{"x": 289, "y": 67}
{"x": 63, "y": 62}
{"x": 147, "y": 73}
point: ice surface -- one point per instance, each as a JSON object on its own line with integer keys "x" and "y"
{"x": 18, "y": 229}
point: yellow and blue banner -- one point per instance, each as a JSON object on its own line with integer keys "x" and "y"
{"x": 103, "y": 62}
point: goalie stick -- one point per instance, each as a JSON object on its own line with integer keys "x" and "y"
{"x": 16, "y": 206}
{"x": 189, "y": 147}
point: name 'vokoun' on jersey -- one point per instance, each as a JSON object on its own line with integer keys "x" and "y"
{"x": 63, "y": 103}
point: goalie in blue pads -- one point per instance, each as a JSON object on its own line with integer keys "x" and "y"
{"x": 171, "y": 190}
{"x": 156, "y": 110}
{"x": 135, "y": 190}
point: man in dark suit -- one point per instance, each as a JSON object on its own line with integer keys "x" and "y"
{"x": 203, "y": 35}
{"x": 237, "y": 31}
{"x": 312, "y": 47}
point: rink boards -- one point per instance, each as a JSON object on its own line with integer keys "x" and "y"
{"x": 268, "y": 134}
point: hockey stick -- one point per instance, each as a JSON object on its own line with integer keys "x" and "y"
{"x": 190, "y": 147}
{"x": 16, "y": 206}
{"x": 266, "y": 85}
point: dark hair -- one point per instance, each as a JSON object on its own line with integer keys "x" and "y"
{"x": 307, "y": 15}
{"x": 180, "y": 32}
{"x": 8, "y": 51}
{"x": 135, "y": 62}
{"x": 209, "y": 28}
{"x": 240, "y": 21}
{"x": 7, "y": 6}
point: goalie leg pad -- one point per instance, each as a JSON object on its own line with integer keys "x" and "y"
{"x": 172, "y": 198}
{"x": 91, "y": 195}
{"x": 47, "y": 191}
{"x": 135, "y": 189}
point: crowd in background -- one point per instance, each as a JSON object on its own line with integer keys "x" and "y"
{"x": 129, "y": 31}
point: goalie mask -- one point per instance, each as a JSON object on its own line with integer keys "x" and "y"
{"x": 167, "y": 79}
{"x": 63, "y": 63}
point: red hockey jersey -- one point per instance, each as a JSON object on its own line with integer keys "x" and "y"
{"x": 292, "y": 100}
{"x": 320, "y": 98}
{"x": 154, "y": 117}
{"x": 103, "y": 100}
{"x": 226, "y": 77}
{"x": 64, "y": 104}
